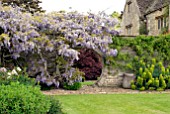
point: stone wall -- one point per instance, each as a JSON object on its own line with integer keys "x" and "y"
{"x": 131, "y": 18}
{"x": 110, "y": 78}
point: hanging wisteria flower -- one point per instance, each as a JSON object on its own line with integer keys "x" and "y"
{"x": 113, "y": 52}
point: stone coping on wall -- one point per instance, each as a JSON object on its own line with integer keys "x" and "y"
{"x": 115, "y": 78}
{"x": 110, "y": 78}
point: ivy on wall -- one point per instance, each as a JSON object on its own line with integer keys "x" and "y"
{"x": 143, "y": 29}
{"x": 145, "y": 48}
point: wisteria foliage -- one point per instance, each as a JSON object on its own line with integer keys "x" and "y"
{"x": 58, "y": 33}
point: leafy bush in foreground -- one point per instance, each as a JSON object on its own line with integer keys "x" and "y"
{"x": 18, "y": 99}
{"x": 55, "y": 107}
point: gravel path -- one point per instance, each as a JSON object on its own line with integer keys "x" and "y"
{"x": 99, "y": 90}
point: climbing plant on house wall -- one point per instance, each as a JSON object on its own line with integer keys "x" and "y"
{"x": 143, "y": 29}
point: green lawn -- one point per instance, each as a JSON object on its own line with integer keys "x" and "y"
{"x": 116, "y": 104}
{"x": 88, "y": 83}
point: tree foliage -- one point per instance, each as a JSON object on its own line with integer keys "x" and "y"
{"x": 90, "y": 63}
{"x": 31, "y": 6}
{"x": 115, "y": 15}
{"x": 47, "y": 43}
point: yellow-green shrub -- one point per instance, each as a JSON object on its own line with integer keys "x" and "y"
{"x": 153, "y": 76}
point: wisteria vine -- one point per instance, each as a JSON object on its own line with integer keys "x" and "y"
{"x": 44, "y": 40}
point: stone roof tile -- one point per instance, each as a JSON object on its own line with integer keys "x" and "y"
{"x": 157, "y": 4}
{"x": 148, "y": 6}
{"x": 144, "y": 5}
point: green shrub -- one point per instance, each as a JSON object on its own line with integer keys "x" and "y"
{"x": 133, "y": 87}
{"x": 22, "y": 77}
{"x": 152, "y": 88}
{"x": 156, "y": 83}
{"x": 160, "y": 89}
{"x": 162, "y": 82}
{"x": 168, "y": 81}
{"x": 145, "y": 48}
{"x": 74, "y": 86}
{"x": 164, "y": 30}
{"x": 148, "y": 78}
{"x": 139, "y": 82}
{"x": 55, "y": 107}
{"x": 142, "y": 88}
{"x": 143, "y": 29}
{"x": 17, "y": 98}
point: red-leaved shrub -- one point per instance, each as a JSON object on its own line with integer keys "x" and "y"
{"x": 90, "y": 63}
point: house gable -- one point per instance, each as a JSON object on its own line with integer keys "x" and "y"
{"x": 156, "y": 22}
{"x": 144, "y": 5}
{"x": 130, "y": 19}
{"x": 156, "y": 5}
{"x": 155, "y": 17}
{"x": 147, "y": 12}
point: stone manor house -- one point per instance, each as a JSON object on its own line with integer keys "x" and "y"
{"x": 151, "y": 14}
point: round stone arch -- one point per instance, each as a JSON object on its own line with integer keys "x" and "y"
{"x": 91, "y": 62}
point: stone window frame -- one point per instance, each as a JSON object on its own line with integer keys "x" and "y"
{"x": 162, "y": 22}
{"x": 159, "y": 24}
{"x": 166, "y": 22}
{"x": 129, "y": 29}
{"x": 129, "y": 6}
